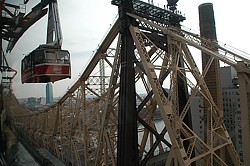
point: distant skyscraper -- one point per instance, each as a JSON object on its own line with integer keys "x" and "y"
{"x": 212, "y": 77}
{"x": 49, "y": 93}
{"x": 231, "y": 104}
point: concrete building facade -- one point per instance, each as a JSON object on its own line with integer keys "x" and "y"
{"x": 231, "y": 105}
{"x": 197, "y": 113}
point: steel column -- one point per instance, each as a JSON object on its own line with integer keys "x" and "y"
{"x": 1, "y": 58}
{"x": 127, "y": 150}
{"x": 1, "y": 87}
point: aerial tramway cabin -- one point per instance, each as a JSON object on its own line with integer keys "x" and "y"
{"x": 46, "y": 64}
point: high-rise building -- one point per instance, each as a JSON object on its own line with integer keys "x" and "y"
{"x": 238, "y": 135}
{"x": 228, "y": 77}
{"x": 197, "y": 113}
{"x": 49, "y": 93}
{"x": 231, "y": 105}
{"x": 208, "y": 30}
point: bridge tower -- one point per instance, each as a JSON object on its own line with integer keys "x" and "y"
{"x": 127, "y": 121}
{"x": 147, "y": 48}
{"x": 127, "y": 115}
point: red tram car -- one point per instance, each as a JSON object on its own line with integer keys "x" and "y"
{"x": 46, "y": 64}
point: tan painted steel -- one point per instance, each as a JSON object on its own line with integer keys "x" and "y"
{"x": 81, "y": 128}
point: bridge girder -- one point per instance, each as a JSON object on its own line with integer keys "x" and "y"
{"x": 81, "y": 128}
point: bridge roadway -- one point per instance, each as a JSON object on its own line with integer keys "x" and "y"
{"x": 44, "y": 156}
{"x": 41, "y": 155}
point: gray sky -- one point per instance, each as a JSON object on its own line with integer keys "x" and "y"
{"x": 84, "y": 24}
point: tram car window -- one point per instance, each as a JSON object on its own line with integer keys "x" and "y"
{"x": 46, "y": 64}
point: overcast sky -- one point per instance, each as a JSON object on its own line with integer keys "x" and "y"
{"x": 84, "y": 24}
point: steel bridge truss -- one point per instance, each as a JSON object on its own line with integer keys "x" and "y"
{"x": 81, "y": 128}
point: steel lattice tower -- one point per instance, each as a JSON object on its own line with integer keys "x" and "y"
{"x": 145, "y": 48}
